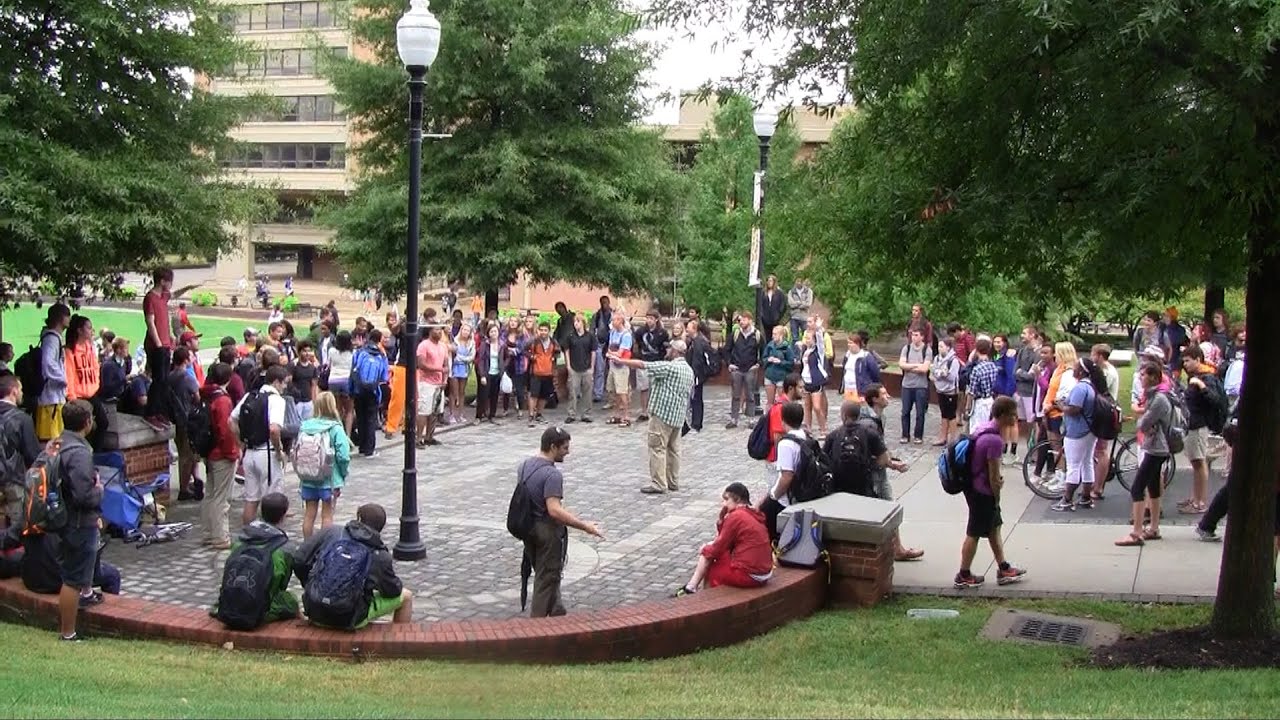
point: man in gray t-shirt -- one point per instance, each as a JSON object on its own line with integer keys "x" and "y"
{"x": 547, "y": 546}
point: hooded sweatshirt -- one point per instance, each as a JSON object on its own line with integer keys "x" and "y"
{"x": 84, "y": 371}
{"x": 341, "y": 446}
{"x": 226, "y": 444}
{"x": 382, "y": 572}
{"x": 282, "y": 605}
{"x": 741, "y": 535}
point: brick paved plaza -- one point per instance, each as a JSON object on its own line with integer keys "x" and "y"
{"x": 473, "y": 565}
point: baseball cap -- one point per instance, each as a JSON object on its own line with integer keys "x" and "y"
{"x": 188, "y": 336}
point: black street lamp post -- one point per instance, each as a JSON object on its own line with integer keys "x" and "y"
{"x": 763, "y": 122}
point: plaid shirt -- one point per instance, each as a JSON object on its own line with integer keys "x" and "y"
{"x": 671, "y": 383}
{"x": 982, "y": 379}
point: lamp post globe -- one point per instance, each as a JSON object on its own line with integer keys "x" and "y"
{"x": 418, "y": 36}
{"x": 418, "y": 43}
{"x": 764, "y": 121}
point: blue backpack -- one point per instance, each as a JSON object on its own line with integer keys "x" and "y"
{"x": 334, "y": 594}
{"x": 955, "y": 469}
{"x": 369, "y": 372}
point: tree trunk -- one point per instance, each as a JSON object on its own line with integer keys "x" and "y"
{"x": 490, "y": 302}
{"x": 1244, "y": 606}
{"x": 1215, "y": 297}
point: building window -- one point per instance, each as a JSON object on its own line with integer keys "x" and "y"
{"x": 284, "y": 16}
{"x": 302, "y": 108}
{"x": 308, "y": 156}
{"x": 283, "y": 62}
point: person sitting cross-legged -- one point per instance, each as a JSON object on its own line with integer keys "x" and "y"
{"x": 741, "y": 555}
{"x": 347, "y": 575}
{"x": 258, "y": 553}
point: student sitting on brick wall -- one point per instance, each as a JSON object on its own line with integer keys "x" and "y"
{"x": 255, "y": 579}
{"x": 741, "y": 555}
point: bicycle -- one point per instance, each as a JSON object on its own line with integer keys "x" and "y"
{"x": 1048, "y": 488}
{"x": 1125, "y": 458}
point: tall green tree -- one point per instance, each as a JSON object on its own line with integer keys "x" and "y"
{"x": 109, "y": 149}
{"x": 547, "y": 169}
{"x": 1131, "y": 145}
{"x": 717, "y": 246}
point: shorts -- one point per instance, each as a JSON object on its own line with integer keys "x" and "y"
{"x": 79, "y": 556}
{"x": 460, "y": 371}
{"x": 984, "y": 515}
{"x": 1054, "y": 424}
{"x": 430, "y": 399}
{"x": 312, "y": 493}
{"x": 618, "y": 381}
{"x": 380, "y": 606}
{"x": 541, "y": 387}
{"x": 1197, "y": 444}
{"x": 13, "y": 496}
{"x": 881, "y": 486}
{"x": 1026, "y": 408}
{"x": 263, "y": 473}
{"x": 948, "y": 405}
{"x": 641, "y": 380}
{"x": 48, "y": 422}
{"x": 813, "y": 388}
{"x": 773, "y": 383}
{"x": 340, "y": 387}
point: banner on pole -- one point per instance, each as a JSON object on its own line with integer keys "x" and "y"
{"x": 753, "y": 262}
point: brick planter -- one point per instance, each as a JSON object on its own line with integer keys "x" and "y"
{"x": 859, "y": 535}
{"x": 146, "y": 451}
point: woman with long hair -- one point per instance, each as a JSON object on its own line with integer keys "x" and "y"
{"x": 488, "y": 372}
{"x": 515, "y": 364}
{"x": 323, "y": 495}
{"x": 1055, "y": 399}
{"x": 84, "y": 373}
{"x": 814, "y": 374}
{"x": 339, "y": 362}
{"x": 464, "y": 356}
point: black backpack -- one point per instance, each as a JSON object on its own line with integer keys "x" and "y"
{"x": 245, "y": 595}
{"x": 200, "y": 428}
{"x": 1105, "y": 420}
{"x": 1217, "y": 408}
{"x": 813, "y": 477}
{"x": 255, "y": 431}
{"x": 758, "y": 442}
{"x": 334, "y": 594}
{"x": 13, "y": 466}
{"x": 247, "y": 369}
{"x": 30, "y": 371}
{"x": 520, "y": 517}
{"x": 853, "y": 466}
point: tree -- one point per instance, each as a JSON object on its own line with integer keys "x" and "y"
{"x": 109, "y": 149}
{"x": 547, "y": 170}
{"x": 716, "y": 251}
{"x": 1126, "y": 145}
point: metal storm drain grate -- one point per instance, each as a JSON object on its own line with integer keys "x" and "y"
{"x": 1012, "y": 625}
{"x": 1048, "y": 631}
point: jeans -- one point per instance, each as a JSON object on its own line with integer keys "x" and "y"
{"x": 597, "y": 382}
{"x": 1217, "y": 509}
{"x": 917, "y": 398}
{"x": 487, "y": 396}
{"x": 797, "y": 326}
{"x": 743, "y": 383}
{"x": 366, "y": 427}
{"x": 695, "y": 407}
{"x": 158, "y": 394}
{"x": 520, "y": 389}
{"x": 580, "y": 387}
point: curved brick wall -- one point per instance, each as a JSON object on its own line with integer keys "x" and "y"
{"x": 712, "y": 618}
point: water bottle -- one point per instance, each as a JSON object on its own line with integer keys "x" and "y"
{"x": 52, "y": 501}
{"x": 932, "y": 614}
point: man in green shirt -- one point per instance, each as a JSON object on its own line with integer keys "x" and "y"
{"x": 670, "y": 383}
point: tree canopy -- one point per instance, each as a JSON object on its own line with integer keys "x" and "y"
{"x": 547, "y": 169}
{"x": 109, "y": 149}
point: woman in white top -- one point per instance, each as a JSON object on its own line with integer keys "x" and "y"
{"x": 339, "y": 363}
{"x": 814, "y": 374}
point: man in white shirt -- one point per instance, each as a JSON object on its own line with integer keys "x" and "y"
{"x": 264, "y": 451}
{"x": 789, "y": 458}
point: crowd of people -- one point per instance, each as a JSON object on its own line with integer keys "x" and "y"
{"x": 326, "y": 397}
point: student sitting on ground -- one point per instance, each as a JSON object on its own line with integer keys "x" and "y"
{"x": 741, "y": 555}
{"x": 255, "y": 580}
{"x": 347, "y": 575}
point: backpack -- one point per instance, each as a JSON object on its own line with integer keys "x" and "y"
{"x": 292, "y": 426}
{"x": 1105, "y": 421}
{"x": 313, "y": 457}
{"x": 200, "y": 428}
{"x": 715, "y": 362}
{"x": 334, "y": 594}
{"x": 853, "y": 464}
{"x": 245, "y": 595}
{"x": 44, "y": 512}
{"x": 758, "y": 442}
{"x": 367, "y": 375}
{"x": 29, "y": 370}
{"x": 800, "y": 540}
{"x": 1217, "y": 408}
{"x": 954, "y": 467}
{"x": 1176, "y": 433}
{"x": 255, "y": 430}
{"x": 247, "y": 369}
{"x": 813, "y": 479}
{"x": 962, "y": 382}
{"x": 13, "y": 466}
{"x": 520, "y": 517}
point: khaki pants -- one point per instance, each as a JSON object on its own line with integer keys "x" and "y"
{"x": 664, "y": 454}
{"x": 217, "y": 499}
{"x": 547, "y": 548}
{"x": 580, "y": 393}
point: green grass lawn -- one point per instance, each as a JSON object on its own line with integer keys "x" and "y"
{"x": 837, "y": 664}
{"x": 22, "y": 326}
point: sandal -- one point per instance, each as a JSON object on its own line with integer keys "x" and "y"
{"x": 1193, "y": 508}
{"x": 1186, "y": 502}
{"x": 908, "y": 554}
{"x": 624, "y": 423}
{"x": 612, "y": 421}
{"x": 1130, "y": 540}
{"x": 1151, "y": 535}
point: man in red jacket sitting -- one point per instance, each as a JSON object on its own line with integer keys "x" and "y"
{"x": 741, "y": 555}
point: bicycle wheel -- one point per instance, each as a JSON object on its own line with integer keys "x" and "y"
{"x": 1170, "y": 467}
{"x": 1124, "y": 462}
{"x": 1051, "y": 490}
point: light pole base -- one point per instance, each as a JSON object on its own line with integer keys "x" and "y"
{"x": 409, "y": 550}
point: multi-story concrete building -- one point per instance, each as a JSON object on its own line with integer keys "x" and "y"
{"x": 301, "y": 151}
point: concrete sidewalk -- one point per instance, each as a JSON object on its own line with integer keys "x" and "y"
{"x": 1065, "y": 554}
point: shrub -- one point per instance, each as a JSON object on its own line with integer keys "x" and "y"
{"x": 204, "y": 298}
{"x": 289, "y": 304}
